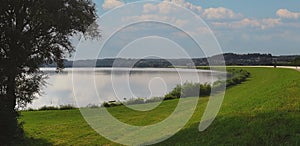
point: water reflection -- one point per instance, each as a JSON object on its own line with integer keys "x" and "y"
{"x": 94, "y": 86}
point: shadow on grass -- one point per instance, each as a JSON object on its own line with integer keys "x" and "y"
{"x": 29, "y": 141}
{"x": 272, "y": 128}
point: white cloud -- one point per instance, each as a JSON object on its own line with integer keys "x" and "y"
{"x": 187, "y": 5}
{"x": 219, "y": 17}
{"x": 269, "y": 22}
{"x": 163, "y": 7}
{"x": 247, "y": 22}
{"x": 238, "y": 24}
{"x": 180, "y": 22}
{"x": 166, "y": 6}
{"x": 199, "y": 31}
{"x": 149, "y": 8}
{"x": 284, "y": 13}
{"x": 220, "y": 13}
{"x": 146, "y": 17}
{"x": 110, "y": 4}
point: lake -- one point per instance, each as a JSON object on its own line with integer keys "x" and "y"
{"x": 92, "y": 86}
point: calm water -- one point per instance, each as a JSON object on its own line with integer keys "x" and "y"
{"x": 84, "y": 86}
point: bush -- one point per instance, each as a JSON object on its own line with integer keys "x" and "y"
{"x": 135, "y": 101}
{"x": 48, "y": 108}
{"x": 205, "y": 89}
{"x": 30, "y": 109}
{"x": 93, "y": 106}
{"x": 175, "y": 93}
{"x": 61, "y": 107}
{"x": 66, "y": 107}
{"x": 154, "y": 99}
{"x": 190, "y": 89}
{"x": 105, "y": 104}
{"x": 235, "y": 76}
{"x": 111, "y": 104}
{"x": 218, "y": 85}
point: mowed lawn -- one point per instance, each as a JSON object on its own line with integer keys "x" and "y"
{"x": 264, "y": 110}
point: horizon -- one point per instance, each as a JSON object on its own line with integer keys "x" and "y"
{"x": 190, "y": 58}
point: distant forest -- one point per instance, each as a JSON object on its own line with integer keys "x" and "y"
{"x": 230, "y": 59}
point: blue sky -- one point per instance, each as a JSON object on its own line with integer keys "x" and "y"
{"x": 263, "y": 26}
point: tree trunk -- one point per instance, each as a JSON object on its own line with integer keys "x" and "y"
{"x": 9, "y": 127}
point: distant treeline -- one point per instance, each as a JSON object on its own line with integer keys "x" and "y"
{"x": 229, "y": 58}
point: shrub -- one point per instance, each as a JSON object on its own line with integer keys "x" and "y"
{"x": 175, "y": 93}
{"x": 170, "y": 96}
{"x": 190, "y": 90}
{"x": 205, "y": 89}
{"x": 218, "y": 85}
{"x": 48, "y": 108}
{"x": 61, "y": 107}
{"x": 30, "y": 109}
{"x": 105, "y": 104}
{"x": 135, "y": 101}
{"x": 111, "y": 104}
{"x": 93, "y": 106}
{"x": 235, "y": 76}
{"x": 154, "y": 99}
{"x": 66, "y": 107}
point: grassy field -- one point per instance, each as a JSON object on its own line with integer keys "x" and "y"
{"x": 264, "y": 110}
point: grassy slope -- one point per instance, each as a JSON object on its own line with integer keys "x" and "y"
{"x": 263, "y": 110}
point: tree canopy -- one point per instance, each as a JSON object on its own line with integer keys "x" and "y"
{"x": 296, "y": 61}
{"x": 35, "y": 32}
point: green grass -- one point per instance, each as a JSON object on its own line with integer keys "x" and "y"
{"x": 264, "y": 110}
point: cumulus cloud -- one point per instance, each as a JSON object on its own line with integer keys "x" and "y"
{"x": 110, "y": 4}
{"x": 247, "y": 22}
{"x": 180, "y": 22}
{"x": 284, "y": 13}
{"x": 269, "y": 22}
{"x": 166, "y": 6}
{"x": 220, "y": 13}
{"x": 219, "y": 16}
{"x": 148, "y": 8}
{"x": 238, "y": 24}
{"x": 187, "y": 5}
{"x": 146, "y": 17}
{"x": 163, "y": 7}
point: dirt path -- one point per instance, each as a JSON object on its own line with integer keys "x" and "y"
{"x": 290, "y": 67}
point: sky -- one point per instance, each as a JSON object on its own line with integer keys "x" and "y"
{"x": 217, "y": 26}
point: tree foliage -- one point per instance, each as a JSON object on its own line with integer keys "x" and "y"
{"x": 296, "y": 61}
{"x": 35, "y": 32}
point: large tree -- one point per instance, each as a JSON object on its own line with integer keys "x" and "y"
{"x": 35, "y": 32}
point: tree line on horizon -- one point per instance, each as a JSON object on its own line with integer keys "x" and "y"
{"x": 229, "y": 58}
